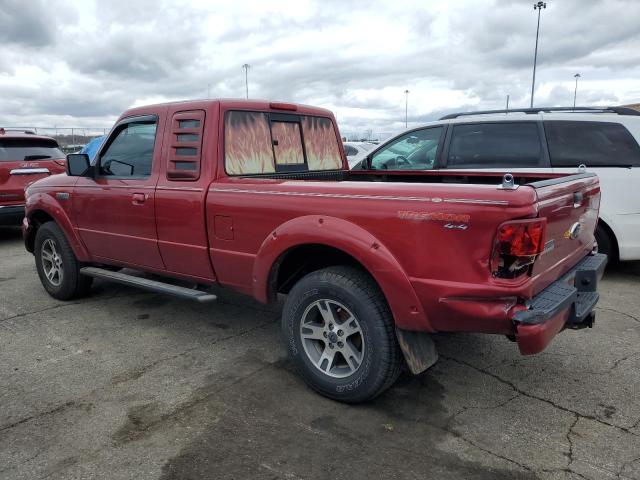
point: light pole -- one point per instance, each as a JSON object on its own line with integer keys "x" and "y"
{"x": 406, "y": 107}
{"x": 536, "y": 6}
{"x": 575, "y": 91}
{"x": 246, "y": 67}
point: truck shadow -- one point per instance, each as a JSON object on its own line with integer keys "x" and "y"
{"x": 623, "y": 270}
{"x": 10, "y": 233}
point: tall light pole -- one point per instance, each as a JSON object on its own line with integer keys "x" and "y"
{"x": 406, "y": 107}
{"x": 536, "y": 6}
{"x": 246, "y": 67}
{"x": 575, "y": 91}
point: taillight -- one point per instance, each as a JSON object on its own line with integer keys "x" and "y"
{"x": 62, "y": 163}
{"x": 517, "y": 245}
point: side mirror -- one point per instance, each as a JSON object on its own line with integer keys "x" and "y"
{"x": 77, "y": 164}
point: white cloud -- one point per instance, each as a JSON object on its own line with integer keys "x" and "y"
{"x": 80, "y": 63}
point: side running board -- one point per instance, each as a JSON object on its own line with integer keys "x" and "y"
{"x": 146, "y": 284}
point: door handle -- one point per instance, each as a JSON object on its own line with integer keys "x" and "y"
{"x": 577, "y": 199}
{"x": 138, "y": 198}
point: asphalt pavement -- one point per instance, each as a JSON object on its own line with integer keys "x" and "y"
{"x": 132, "y": 385}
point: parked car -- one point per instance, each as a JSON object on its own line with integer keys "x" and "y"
{"x": 24, "y": 158}
{"x": 257, "y": 197}
{"x": 92, "y": 147}
{"x": 605, "y": 140}
{"x": 356, "y": 151}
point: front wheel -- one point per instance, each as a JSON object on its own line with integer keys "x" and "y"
{"x": 57, "y": 266}
{"x": 339, "y": 333}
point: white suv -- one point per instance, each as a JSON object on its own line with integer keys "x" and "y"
{"x": 605, "y": 140}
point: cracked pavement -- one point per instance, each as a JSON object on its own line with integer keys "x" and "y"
{"x": 126, "y": 384}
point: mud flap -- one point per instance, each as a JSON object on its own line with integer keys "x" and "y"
{"x": 418, "y": 349}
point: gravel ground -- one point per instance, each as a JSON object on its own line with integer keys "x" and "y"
{"x": 126, "y": 384}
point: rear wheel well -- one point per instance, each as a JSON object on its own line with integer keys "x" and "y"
{"x": 37, "y": 218}
{"x": 301, "y": 260}
{"x": 612, "y": 236}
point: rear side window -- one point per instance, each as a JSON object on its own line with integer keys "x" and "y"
{"x": 25, "y": 149}
{"x": 594, "y": 144}
{"x": 186, "y": 145}
{"x": 495, "y": 145}
{"x": 257, "y": 142}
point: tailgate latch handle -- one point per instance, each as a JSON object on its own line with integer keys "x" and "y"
{"x": 577, "y": 199}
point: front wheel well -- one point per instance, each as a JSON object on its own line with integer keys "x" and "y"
{"x": 36, "y": 219}
{"x": 301, "y": 260}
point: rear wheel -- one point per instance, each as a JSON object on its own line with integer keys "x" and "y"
{"x": 57, "y": 266}
{"x": 605, "y": 243}
{"x": 340, "y": 335}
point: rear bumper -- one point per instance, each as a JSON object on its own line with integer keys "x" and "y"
{"x": 567, "y": 302}
{"x": 11, "y": 214}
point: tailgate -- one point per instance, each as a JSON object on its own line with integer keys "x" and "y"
{"x": 570, "y": 205}
{"x": 15, "y": 176}
{"x": 25, "y": 158}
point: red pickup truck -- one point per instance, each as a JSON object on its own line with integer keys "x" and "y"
{"x": 257, "y": 197}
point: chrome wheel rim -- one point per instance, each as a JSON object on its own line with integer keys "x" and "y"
{"x": 332, "y": 338}
{"x": 51, "y": 262}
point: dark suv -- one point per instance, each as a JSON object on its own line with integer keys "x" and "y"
{"x": 24, "y": 158}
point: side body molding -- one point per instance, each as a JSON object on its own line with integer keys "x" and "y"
{"x": 355, "y": 241}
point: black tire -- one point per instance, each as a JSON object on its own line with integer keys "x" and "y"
{"x": 605, "y": 244}
{"x": 70, "y": 284}
{"x": 380, "y": 360}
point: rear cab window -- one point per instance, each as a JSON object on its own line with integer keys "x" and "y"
{"x": 495, "y": 145}
{"x": 18, "y": 149}
{"x": 594, "y": 144}
{"x": 263, "y": 143}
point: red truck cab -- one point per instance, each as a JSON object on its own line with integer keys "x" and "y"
{"x": 24, "y": 158}
{"x": 257, "y": 197}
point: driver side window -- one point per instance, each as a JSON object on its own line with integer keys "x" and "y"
{"x": 130, "y": 153}
{"x": 413, "y": 151}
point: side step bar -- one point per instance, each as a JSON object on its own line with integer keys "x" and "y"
{"x": 146, "y": 284}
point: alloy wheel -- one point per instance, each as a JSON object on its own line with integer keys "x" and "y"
{"x": 332, "y": 338}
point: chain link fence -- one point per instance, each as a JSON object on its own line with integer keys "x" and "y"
{"x": 367, "y": 136}
{"x": 70, "y": 139}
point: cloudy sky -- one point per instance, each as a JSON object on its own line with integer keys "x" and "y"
{"x": 81, "y": 63}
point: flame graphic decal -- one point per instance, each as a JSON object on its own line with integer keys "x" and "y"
{"x": 321, "y": 144}
{"x": 289, "y": 144}
{"x": 247, "y": 143}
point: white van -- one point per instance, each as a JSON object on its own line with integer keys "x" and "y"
{"x": 605, "y": 140}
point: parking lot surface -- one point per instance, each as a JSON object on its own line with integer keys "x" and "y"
{"x": 126, "y": 384}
